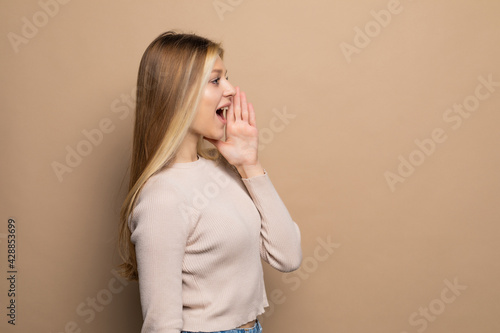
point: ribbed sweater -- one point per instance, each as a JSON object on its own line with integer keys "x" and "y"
{"x": 200, "y": 231}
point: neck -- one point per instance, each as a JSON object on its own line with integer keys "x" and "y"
{"x": 187, "y": 151}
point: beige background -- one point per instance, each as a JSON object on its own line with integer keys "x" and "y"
{"x": 393, "y": 251}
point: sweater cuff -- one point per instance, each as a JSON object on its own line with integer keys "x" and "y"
{"x": 250, "y": 178}
{"x": 260, "y": 188}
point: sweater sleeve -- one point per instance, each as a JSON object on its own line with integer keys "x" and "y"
{"x": 280, "y": 235}
{"x": 159, "y": 233}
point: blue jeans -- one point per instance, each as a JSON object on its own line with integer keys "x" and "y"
{"x": 255, "y": 329}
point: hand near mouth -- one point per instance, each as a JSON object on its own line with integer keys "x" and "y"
{"x": 242, "y": 137}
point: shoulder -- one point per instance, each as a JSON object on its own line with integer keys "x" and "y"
{"x": 158, "y": 191}
{"x": 159, "y": 200}
{"x": 161, "y": 184}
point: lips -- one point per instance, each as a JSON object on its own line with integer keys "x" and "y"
{"x": 220, "y": 112}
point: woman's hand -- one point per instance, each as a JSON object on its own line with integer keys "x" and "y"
{"x": 242, "y": 137}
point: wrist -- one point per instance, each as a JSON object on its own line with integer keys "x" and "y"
{"x": 250, "y": 170}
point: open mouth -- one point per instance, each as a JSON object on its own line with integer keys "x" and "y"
{"x": 221, "y": 114}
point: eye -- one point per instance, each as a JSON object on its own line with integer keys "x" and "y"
{"x": 216, "y": 81}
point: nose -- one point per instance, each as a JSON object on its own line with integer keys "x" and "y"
{"x": 229, "y": 89}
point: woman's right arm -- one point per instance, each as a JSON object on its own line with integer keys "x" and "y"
{"x": 159, "y": 233}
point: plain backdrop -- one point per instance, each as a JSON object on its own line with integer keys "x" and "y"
{"x": 379, "y": 129}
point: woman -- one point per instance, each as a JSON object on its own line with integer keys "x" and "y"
{"x": 197, "y": 221}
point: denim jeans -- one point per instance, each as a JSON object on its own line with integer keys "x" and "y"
{"x": 255, "y": 329}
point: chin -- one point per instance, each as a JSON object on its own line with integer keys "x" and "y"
{"x": 221, "y": 136}
{"x": 215, "y": 136}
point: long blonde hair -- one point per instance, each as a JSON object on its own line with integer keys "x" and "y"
{"x": 173, "y": 73}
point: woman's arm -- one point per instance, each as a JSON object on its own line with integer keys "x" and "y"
{"x": 159, "y": 232}
{"x": 280, "y": 235}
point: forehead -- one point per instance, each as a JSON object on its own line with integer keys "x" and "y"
{"x": 219, "y": 65}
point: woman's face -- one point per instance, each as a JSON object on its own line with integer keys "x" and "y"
{"x": 209, "y": 122}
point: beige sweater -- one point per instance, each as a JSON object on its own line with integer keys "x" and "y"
{"x": 200, "y": 231}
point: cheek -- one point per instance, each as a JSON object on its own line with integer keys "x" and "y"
{"x": 206, "y": 112}
{"x": 204, "y": 106}
{"x": 211, "y": 98}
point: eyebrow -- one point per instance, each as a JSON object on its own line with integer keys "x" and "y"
{"x": 219, "y": 71}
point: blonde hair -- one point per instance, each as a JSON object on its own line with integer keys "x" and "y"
{"x": 173, "y": 73}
